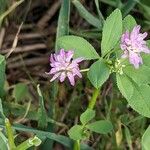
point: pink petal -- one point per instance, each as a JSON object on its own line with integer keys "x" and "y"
{"x": 71, "y": 78}
{"x": 53, "y": 71}
{"x": 69, "y": 55}
{"x": 135, "y": 59}
{"x": 62, "y": 76}
{"x": 76, "y": 71}
{"x": 78, "y": 60}
{"x": 52, "y": 58}
{"x": 55, "y": 76}
{"x": 145, "y": 50}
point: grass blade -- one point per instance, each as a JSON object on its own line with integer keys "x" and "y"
{"x": 128, "y": 7}
{"x": 86, "y": 15}
{"x": 63, "y": 20}
{"x": 42, "y": 123}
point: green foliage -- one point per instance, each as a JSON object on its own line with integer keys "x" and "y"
{"x": 128, "y": 23}
{"x": 86, "y": 15}
{"x": 145, "y": 9}
{"x": 112, "y": 31}
{"x": 81, "y": 47}
{"x": 35, "y": 141}
{"x": 20, "y": 92}
{"x": 140, "y": 100}
{"x": 76, "y": 132}
{"x": 63, "y": 21}
{"x": 2, "y": 75}
{"x": 42, "y": 122}
{"x": 125, "y": 86}
{"x": 3, "y": 5}
{"x": 140, "y": 76}
{"x": 128, "y": 7}
{"x": 88, "y": 115}
{"x": 43, "y": 134}
{"x": 146, "y": 59}
{"x": 146, "y": 139}
{"x": 98, "y": 73}
{"x": 136, "y": 95}
{"x": 3, "y": 142}
{"x": 128, "y": 136}
{"x": 11, "y": 8}
{"x": 101, "y": 127}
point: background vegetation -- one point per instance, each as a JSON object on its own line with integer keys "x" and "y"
{"x": 28, "y": 35}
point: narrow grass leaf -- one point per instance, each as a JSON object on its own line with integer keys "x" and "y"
{"x": 63, "y": 21}
{"x": 86, "y": 15}
{"x": 20, "y": 92}
{"x": 146, "y": 139}
{"x": 128, "y": 137}
{"x": 2, "y": 75}
{"x": 58, "y": 138}
{"x": 3, "y": 142}
{"x": 128, "y": 7}
{"x": 42, "y": 122}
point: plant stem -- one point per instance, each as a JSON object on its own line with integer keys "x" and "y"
{"x": 35, "y": 141}
{"x": 76, "y": 145}
{"x": 9, "y": 134}
{"x": 93, "y": 99}
{"x": 84, "y": 70}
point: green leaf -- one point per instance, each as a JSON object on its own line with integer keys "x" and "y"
{"x": 146, "y": 60}
{"x": 112, "y": 31}
{"x": 128, "y": 7}
{"x": 137, "y": 96}
{"x": 101, "y": 127}
{"x": 63, "y": 21}
{"x": 98, "y": 73}
{"x": 125, "y": 86}
{"x": 129, "y": 23}
{"x": 88, "y": 115}
{"x": 146, "y": 139}
{"x": 128, "y": 137}
{"x": 140, "y": 76}
{"x": 81, "y": 47}
{"x": 86, "y": 15}
{"x": 20, "y": 92}
{"x": 2, "y": 75}
{"x": 42, "y": 122}
{"x": 76, "y": 132}
{"x": 145, "y": 10}
{"x": 140, "y": 101}
{"x": 3, "y": 142}
{"x": 1, "y": 110}
{"x": 43, "y": 134}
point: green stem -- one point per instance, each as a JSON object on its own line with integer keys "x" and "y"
{"x": 9, "y": 134}
{"x": 93, "y": 99}
{"x": 35, "y": 141}
{"x": 84, "y": 70}
{"x": 76, "y": 145}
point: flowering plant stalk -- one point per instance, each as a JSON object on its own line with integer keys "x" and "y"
{"x": 124, "y": 53}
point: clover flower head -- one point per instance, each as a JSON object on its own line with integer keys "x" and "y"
{"x": 133, "y": 44}
{"x": 64, "y": 66}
